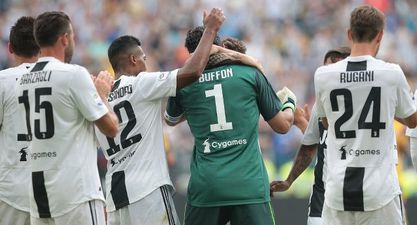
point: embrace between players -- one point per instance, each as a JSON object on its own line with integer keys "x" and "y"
{"x": 57, "y": 111}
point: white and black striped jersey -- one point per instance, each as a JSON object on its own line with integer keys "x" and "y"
{"x": 61, "y": 104}
{"x": 316, "y": 134}
{"x": 14, "y": 148}
{"x": 412, "y": 132}
{"x": 360, "y": 96}
{"x": 136, "y": 156}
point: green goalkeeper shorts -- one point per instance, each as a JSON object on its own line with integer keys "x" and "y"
{"x": 250, "y": 214}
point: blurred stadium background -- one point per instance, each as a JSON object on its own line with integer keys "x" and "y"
{"x": 289, "y": 37}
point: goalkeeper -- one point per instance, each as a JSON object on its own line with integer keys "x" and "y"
{"x": 229, "y": 182}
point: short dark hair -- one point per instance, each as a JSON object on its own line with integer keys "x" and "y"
{"x": 365, "y": 23}
{"x": 119, "y": 47}
{"x": 21, "y": 38}
{"x": 337, "y": 54}
{"x": 49, "y": 26}
{"x": 193, "y": 38}
{"x": 234, "y": 44}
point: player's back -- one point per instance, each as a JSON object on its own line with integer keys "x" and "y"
{"x": 360, "y": 96}
{"x": 136, "y": 157}
{"x": 15, "y": 151}
{"x": 61, "y": 102}
{"x": 222, "y": 109}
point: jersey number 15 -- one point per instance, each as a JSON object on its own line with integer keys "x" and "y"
{"x": 49, "y": 116}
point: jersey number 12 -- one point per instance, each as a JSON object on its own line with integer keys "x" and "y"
{"x": 124, "y": 140}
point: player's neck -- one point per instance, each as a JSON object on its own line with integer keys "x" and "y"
{"x": 57, "y": 53}
{"x": 361, "y": 49}
{"x": 126, "y": 72}
{"x": 18, "y": 60}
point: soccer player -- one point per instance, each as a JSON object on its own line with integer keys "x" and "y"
{"x": 228, "y": 180}
{"x": 138, "y": 183}
{"x": 358, "y": 98}
{"x": 14, "y": 150}
{"x": 61, "y": 105}
{"x": 313, "y": 143}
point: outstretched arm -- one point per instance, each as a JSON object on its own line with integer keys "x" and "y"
{"x": 303, "y": 159}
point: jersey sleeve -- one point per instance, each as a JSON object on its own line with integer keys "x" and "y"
{"x": 174, "y": 111}
{"x": 412, "y": 132}
{"x": 268, "y": 102}
{"x": 312, "y": 133}
{"x": 157, "y": 85}
{"x": 405, "y": 105}
{"x": 318, "y": 104}
{"x": 85, "y": 95}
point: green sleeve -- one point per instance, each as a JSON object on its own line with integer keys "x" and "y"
{"x": 268, "y": 103}
{"x": 174, "y": 110}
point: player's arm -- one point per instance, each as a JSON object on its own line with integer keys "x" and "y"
{"x": 405, "y": 111}
{"x": 303, "y": 159}
{"x": 282, "y": 122}
{"x": 410, "y": 122}
{"x": 237, "y": 56}
{"x": 193, "y": 68}
{"x": 304, "y": 156}
{"x": 413, "y": 148}
{"x": 279, "y": 115}
{"x": 107, "y": 124}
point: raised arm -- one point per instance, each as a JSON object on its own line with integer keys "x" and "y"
{"x": 193, "y": 68}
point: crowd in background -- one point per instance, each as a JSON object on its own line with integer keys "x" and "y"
{"x": 289, "y": 37}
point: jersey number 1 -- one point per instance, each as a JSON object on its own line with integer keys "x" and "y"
{"x": 221, "y": 124}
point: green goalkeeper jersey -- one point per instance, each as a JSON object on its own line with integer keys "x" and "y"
{"x": 222, "y": 109}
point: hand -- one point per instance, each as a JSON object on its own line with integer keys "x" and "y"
{"x": 279, "y": 186}
{"x": 214, "y": 20}
{"x": 287, "y": 98}
{"x": 93, "y": 77}
{"x": 103, "y": 83}
{"x": 301, "y": 115}
{"x": 215, "y": 49}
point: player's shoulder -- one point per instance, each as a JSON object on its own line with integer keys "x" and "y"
{"x": 333, "y": 67}
{"x": 380, "y": 64}
{"x": 74, "y": 68}
{"x": 14, "y": 70}
{"x": 56, "y": 65}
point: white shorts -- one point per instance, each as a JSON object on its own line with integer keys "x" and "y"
{"x": 88, "y": 213}
{"x": 13, "y": 216}
{"x": 157, "y": 208}
{"x": 391, "y": 214}
{"x": 314, "y": 221}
